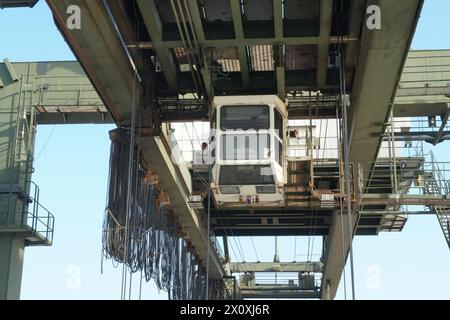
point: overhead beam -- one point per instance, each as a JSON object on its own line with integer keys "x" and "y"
{"x": 424, "y": 91}
{"x": 405, "y": 199}
{"x": 281, "y": 81}
{"x": 99, "y": 51}
{"x": 276, "y": 267}
{"x": 91, "y": 116}
{"x": 326, "y": 18}
{"x": 76, "y": 102}
{"x": 17, "y": 3}
{"x": 194, "y": 12}
{"x": 379, "y": 66}
{"x": 357, "y": 8}
{"x": 154, "y": 26}
{"x": 379, "y": 69}
{"x": 280, "y": 64}
{"x": 222, "y": 43}
{"x": 142, "y": 58}
{"x": 278, "y": 19}
{"x": 419, "y": 109}
{"x": 239, "y": 41}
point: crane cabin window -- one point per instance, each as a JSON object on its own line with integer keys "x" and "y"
{"x": 244, "y": 117}
{"x": 246, "y": 175}
{"x": 245, "y": 146}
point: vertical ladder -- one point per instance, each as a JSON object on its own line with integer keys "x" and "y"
{"x": 26, "y": 124}
{"x": 21, "y": 156}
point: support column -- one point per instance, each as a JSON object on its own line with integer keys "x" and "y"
{"x": 16, "y": 149}
{"x": 11, "y": 265}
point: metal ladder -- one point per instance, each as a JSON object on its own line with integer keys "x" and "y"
{"x": 25, "y": 123}
{"x": 435, "y": 184}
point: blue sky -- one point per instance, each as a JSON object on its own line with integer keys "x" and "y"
{"x": 72, "y": 174}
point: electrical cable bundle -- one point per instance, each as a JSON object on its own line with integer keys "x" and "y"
{"x": 155, "y": 244}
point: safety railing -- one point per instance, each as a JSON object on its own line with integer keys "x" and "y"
{"x": 329, "y": 148}
{"x": 190, "y": 136}
{"x": 437, "y": 184}
{"x": 433, "y": 129}
{"x": 40, "y": 219}
{"x": 429, "y": 124}
{"x": 406, "y": 175}
{"x": 25, "y": 215}
{"x": 285, "y": 279}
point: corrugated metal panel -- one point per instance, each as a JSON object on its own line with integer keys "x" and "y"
{"x": 217, "y": 10}
{"x": 301, "y": 57}
{"x": 229, "y": 65}
{"x": 181, "y": 59}
{"x": 180, "y": 55}
{"x": 258, "y": 10}
{"x": 227, "y": 59}
{"x": 262, "y": 58}
{"x": 301, "y": 9}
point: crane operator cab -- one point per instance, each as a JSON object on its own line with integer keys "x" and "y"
{"x": 247, "y": 147}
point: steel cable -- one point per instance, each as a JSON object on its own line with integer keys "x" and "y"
{"x": 155, "y": 243}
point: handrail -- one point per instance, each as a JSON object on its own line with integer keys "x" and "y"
{"x": 46, "y": 220}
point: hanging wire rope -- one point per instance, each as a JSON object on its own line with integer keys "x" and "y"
{"x": 314, "y": 235}
{"x": 295, "y": 249}
{"x": 240, "y": 248}
{"x": 254, "y": 248}
{"x": 140, "y": 228}
{"x": 343, "y": 100}
{"x": 129, "y": 182}
{"x": 341, "y": 195}
{"x": 208, "y": 226}
{"x": 46, "y": 142}
{"x": 156, "y": 243}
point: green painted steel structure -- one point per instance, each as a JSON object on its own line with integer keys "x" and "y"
{"x": 61, "y": 93}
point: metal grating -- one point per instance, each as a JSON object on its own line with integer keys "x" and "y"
{"x": 258, "y": 10}
{"x": 301, "y": 9}
{"x": 301, "y": 57}
{"x": 216, "y": 10}
{"x": 229, "y": 65}
{"x": 261, "y": 58}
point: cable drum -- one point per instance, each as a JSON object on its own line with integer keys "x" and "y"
{"x": 154, "y": 245}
